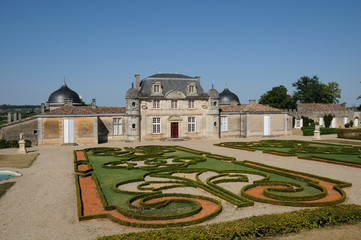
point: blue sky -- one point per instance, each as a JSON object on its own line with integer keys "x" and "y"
{"x": 250, "y": 45}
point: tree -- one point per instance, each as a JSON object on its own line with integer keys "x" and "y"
{"x": 331, "y": 92}
{"x": 278, "y": 98}
{"x": 311, "y": 90}
{"x": 308, "y": 90}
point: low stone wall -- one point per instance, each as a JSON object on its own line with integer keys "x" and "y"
{"x": 27, "y": 126}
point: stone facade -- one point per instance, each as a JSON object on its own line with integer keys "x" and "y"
{"x": 170, "y": 106}
{"x": 163, "y": 106}
{"x": 254, "y": 120}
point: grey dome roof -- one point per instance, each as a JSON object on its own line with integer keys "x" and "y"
{"x": 213, "y": 93}
{"x": 132, "y": 93}
{"x": 58, "y": 97}
{"x": 226, "y": 97}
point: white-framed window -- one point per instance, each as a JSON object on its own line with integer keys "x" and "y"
{"x": 174, "y": 104}
{"x": 321, "y": 121}
{"x": 156, "y": 104}
{"x": 191, "y": 124}
{"x": 191, "y": 104}
{"x": 117, "y": 126}
{"x": 298, "y": 123}
{"x": 224, "y": 124}
{"x": 156, "y": 88}
{"x": 156, "y": 125}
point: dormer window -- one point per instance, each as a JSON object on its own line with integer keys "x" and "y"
{"x": 157, "y": 88}
{"x": 192, "y": 89}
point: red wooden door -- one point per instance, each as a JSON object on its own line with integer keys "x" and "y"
{"x": 174, "y": 130}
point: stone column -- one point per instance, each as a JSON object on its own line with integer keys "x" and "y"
{"x": 19, "y": 116}
{"x": 42, "y": 107}
{"x": 9, "y": 117}
{"x": 15, "y": 117}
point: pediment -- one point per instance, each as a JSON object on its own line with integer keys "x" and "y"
{"x": 175, "y": 95}
{"x": 175, "y": 118}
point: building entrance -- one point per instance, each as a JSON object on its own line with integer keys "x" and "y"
{"x": 174, "y": 130}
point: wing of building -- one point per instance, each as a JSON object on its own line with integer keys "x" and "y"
{"x": 316, "y": 111}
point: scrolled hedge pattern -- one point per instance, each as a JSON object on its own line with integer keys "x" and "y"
{"x": 131, "y": 185}
{"x": 336, "y": 154}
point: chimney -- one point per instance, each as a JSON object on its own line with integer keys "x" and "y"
{"x": 252, "y": 101}
{"x": 19, "y": 115}
{"x": 198, "y": 78}
{"x": 9, "y": 117}
{"x": 42, "y": 107}
{"x": 47, "y": 106}
{"x": 15, "y": 117}
{"x": 137, "y": 78}
{"x": 94, "y": 103}
{"x": 344, "y": 105}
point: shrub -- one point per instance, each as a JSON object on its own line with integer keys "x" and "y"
{"x": 12, "y": 143}
{"x": 256, "y": 226}
{"x": 351, "y": 123}
{"x": 307, "y": 121}
{"x": 2, "y": 143}
{"x": 328, "y": 131}
{"x": 328, "y": 119}
{"x": 349, "y": 133}
{"x": 308, "y": 131}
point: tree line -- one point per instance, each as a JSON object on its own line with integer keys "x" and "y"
{"x": 308, "y": 90}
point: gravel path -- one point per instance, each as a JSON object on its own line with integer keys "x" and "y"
{"x": 42, "y": 203}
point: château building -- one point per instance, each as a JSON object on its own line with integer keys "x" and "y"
{"x": 164, "y": 106}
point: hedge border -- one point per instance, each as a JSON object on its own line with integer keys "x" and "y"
{"x": 256, "y": 226}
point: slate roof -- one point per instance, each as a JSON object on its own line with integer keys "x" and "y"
{"x": 58, "y": 96}
{"x": 169, "y": 75}
{"x": 170, "y": 82}
{"x": 226, "y": 96}
{"x": 254, "y": 107}
{"x": 84, "y": 110}
{"x": 320, "y": 107}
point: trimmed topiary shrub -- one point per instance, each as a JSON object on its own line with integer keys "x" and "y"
{"x": 13, "y": 143}
{"x": 349, "y": 133}
{"x": 308, "y": 131}
{"x": 328, "y": 119}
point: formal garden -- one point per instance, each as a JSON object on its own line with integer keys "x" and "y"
{"x": 348, "y": 155}
{"x": 164, "y": 186}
